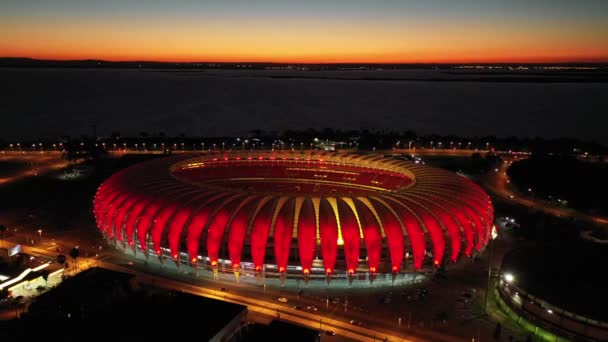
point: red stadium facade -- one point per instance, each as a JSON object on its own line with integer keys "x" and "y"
{"x": 305, "y": 213}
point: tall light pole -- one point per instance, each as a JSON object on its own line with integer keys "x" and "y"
{"x": 492, "y": 238}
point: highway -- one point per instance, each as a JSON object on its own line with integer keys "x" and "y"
{"x": 497, "y": 182}
{"x": 35, "y": 163}
{"x": 256, "y": 303}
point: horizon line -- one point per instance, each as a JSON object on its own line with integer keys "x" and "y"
{"x": 533, "y": 62}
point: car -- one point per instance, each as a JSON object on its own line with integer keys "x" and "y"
{"x": 335, "y": 300}
{"x": 297, "y": 307}
{"x": 282, "y": 300}
{"x": 330, "y": 332}
{"x": 312, "y": 307}
{"x": 223, "y": 289}
{"x": 352, "y": 321}
{"x": 359, "y": 323}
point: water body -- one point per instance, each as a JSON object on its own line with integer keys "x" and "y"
{"x": 54, "y": 102}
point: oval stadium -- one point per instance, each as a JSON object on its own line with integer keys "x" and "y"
{"x": 306, "y": 214}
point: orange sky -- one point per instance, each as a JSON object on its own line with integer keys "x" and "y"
{"x": 184, "y": 36}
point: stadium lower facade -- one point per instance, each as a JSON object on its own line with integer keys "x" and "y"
{"x": 305, "y": 214}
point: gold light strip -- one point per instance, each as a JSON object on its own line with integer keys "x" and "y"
{"x": 403, "y": 230}
{"x": 293, "y": 180}
{"x": 296, "y": 217}
{"x": 316, "y": 203}
{"x": 277, "y": 209}
{"x": 351, "y": 204}
{"x": 370, "y": 206}
{"x": 334, "y": 205}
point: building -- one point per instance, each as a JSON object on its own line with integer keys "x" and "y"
{"x": 308, "y": 214}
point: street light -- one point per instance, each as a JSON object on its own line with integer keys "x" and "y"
{"x": 40, "y": 233}
{"x": 509, "y": 277}
{"x": 493, "y": 236}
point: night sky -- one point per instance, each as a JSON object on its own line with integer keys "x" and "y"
{"x": 307, "y": 31}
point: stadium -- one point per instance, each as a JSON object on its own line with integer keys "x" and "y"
{"x": 304, "y": 214}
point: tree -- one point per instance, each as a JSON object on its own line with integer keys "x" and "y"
{"x": 61, "y": 259}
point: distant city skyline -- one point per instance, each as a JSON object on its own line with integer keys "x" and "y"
{"x": 331, "y": 31}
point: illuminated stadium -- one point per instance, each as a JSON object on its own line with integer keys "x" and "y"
{"x": 303, "y": 214}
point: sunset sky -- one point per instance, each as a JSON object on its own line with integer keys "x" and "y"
{"x": 316, "y": 31}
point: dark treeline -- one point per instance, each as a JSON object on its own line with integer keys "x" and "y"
{"x": 558, "y": 178}
{"x": 362, "y": 139}
{"x": 385, "y": 139}
{"x": 20, "y": 62}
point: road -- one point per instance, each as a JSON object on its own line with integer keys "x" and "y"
{"x": 258, "y": 300}
{"x": 497, "y": 181}
{"x": 35, "y": 163}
